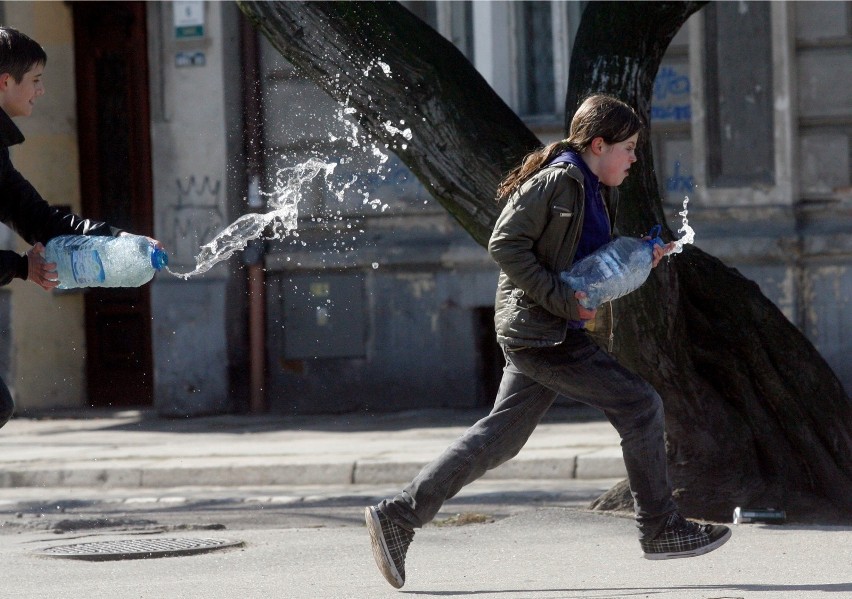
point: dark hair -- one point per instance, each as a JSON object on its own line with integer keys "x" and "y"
{"x": 599, "y": 115}
{"x": 19, "y": 53}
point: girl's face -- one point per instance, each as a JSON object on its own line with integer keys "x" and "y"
{"x": 614, "y": 160}
{"x": 18, "y": 99}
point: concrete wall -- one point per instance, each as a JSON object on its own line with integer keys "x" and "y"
{"x": 824, "y": 150}
{"x": 194, "y": 95}
{"x": 47, "y": 342}
{"x": 368, "y": 308}
{"x": 402, "y": 322}
{"x": 790, "y": 236}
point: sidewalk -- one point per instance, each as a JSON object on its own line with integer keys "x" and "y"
{"x": 134, "y": 449}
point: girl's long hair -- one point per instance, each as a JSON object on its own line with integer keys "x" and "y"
{"x": 599, "y": 115}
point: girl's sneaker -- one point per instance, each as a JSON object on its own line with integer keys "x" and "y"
{"x": 390, "y": 544}
{"x": 683, "y": 538}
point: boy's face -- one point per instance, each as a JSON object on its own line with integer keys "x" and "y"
{"x": 18, "y": 99}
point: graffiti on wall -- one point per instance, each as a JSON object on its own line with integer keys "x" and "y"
{"x": 195, "y": 218}
{"x": 679, "y": 182}
{"x": 670, "y": 102}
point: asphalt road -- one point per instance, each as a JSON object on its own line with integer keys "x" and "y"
{"x": 83, "y": 510}
{"x": 527, "y": 541}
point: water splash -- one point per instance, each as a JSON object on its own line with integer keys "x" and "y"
{"x": 688, "y": 232}
{"x": 282, "y": 216}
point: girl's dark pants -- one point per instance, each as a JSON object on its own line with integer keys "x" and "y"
{"x": 532, "y": 379}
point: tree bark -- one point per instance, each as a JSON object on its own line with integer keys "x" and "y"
{"x": 754, "y": 415}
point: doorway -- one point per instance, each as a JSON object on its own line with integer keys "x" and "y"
{"x": 490, "y": 360}
{"x": 111, "y": 60}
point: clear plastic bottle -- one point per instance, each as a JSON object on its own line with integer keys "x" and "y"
{"x": 614, "y": 270}
{"x": 103, "y": 261}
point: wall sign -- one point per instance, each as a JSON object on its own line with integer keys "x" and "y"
{"x": 189, "y": 19}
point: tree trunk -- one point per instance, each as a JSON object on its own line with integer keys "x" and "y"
{"x": 755, "y": 417}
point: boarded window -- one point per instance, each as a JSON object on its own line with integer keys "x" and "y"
{"x": 739, "y": 94}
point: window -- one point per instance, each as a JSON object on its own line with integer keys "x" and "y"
{"x": 739, "y": 94}
{"x": 425, "y": 10}
{"x": 455, "y": 22}
{"x": 536, "y": 93}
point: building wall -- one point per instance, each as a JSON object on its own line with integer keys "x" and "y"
{"x": 789, "y": 234}
{"x": 767, "y": 176}
{"x": 47, "y": 342}
{"x": 398, "y": 316}
{"x": 195, "y": 86}
{"x": 823, "y": 50}
{"x": 372, "y": 303}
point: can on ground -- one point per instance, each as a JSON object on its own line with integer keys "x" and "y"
{"x": 744, "y": 515}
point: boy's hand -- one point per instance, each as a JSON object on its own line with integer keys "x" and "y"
{"x": 40, "y": 272}
{"x": 585, "y": 313}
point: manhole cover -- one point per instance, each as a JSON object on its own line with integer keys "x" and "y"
{"x": 138, "y": 548}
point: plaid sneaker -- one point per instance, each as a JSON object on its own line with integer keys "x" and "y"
{"x": 683, "y": 538}
{"x": 390, "y": 544}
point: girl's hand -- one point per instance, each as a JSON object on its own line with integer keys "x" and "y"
{"x": 40, "y": 272}
{"x": 660, "y": 251}
{"x": 585, "y": 313}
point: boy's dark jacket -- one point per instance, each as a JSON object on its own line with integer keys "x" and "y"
{"x": 25, "y": 212}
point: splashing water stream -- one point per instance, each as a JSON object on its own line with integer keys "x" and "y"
{"x": 282, "y": 217}
{"x": 688, "y": 232}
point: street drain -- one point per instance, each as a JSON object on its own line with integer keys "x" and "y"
{"x": 138, "y": 548}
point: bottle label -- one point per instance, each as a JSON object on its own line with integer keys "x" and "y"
{"x": 87, "y": 267}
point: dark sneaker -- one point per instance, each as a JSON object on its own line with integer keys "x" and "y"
{"x": 683, "y": 538}
{"x": 390, "y": 544}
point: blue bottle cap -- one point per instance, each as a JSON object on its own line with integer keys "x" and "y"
{"x": 159, "y": 259}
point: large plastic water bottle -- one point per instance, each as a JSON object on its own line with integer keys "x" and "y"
{"x": 103, "y": 261}
{"x": 614, "y": 270}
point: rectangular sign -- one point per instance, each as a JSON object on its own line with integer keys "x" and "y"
{"x": 188, "y": 18}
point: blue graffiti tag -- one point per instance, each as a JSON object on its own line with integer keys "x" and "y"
{"x": 678, "y": 182}
{"x": 671, "y": 96}
{"x": 668, "y": 82}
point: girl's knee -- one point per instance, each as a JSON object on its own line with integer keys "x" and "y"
{"x": 644, "y": 409}
{"x": 650, "y": 408}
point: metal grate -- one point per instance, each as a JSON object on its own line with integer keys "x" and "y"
{"x": 138, "y": 548}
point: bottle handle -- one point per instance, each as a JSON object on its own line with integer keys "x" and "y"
{"x": 654, "y": 235}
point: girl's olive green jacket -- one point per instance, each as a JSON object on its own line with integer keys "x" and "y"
{"x": 535, "y": 239}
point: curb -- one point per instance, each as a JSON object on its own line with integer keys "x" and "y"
{"x": 248, "y": 472}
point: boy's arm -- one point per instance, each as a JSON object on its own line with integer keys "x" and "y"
{"x": 12, "y": 265}
{"x": 29, "y": 215}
